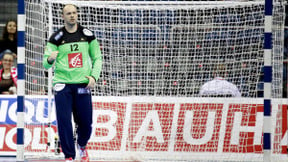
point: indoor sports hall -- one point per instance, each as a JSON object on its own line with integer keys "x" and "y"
{"x": 180, "y": 81}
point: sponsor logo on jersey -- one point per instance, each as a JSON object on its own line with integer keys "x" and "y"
{"x": 58, "y": 36}
{"x": 75, "y": 60}
{"x": 87, "y": 32}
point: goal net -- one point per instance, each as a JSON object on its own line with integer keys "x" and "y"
{"x": 156, "y": 56}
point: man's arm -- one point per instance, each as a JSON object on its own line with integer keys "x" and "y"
{"x": 96, "y": 58}
{"x": 50, "y": 55}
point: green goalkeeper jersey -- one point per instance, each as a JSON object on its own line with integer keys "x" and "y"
{"x": 79, "y": 56}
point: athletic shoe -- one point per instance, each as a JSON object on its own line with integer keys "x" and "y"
{"x": 83, "y": 154}
{"x": 69, "y": 159}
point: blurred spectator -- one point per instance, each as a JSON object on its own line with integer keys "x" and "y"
{"x": 8, "y": 75}
{"x": 219, "y": 87}
{"x": 9, "y": 38}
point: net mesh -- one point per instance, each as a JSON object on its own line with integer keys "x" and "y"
{"x": 164, "y": 49}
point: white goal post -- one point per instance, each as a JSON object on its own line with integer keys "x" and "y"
{"x": 156, "y": 56}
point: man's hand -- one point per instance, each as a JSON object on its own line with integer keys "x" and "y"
{"x": 53, "y": 56}
{"x": 91, "y": 83}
